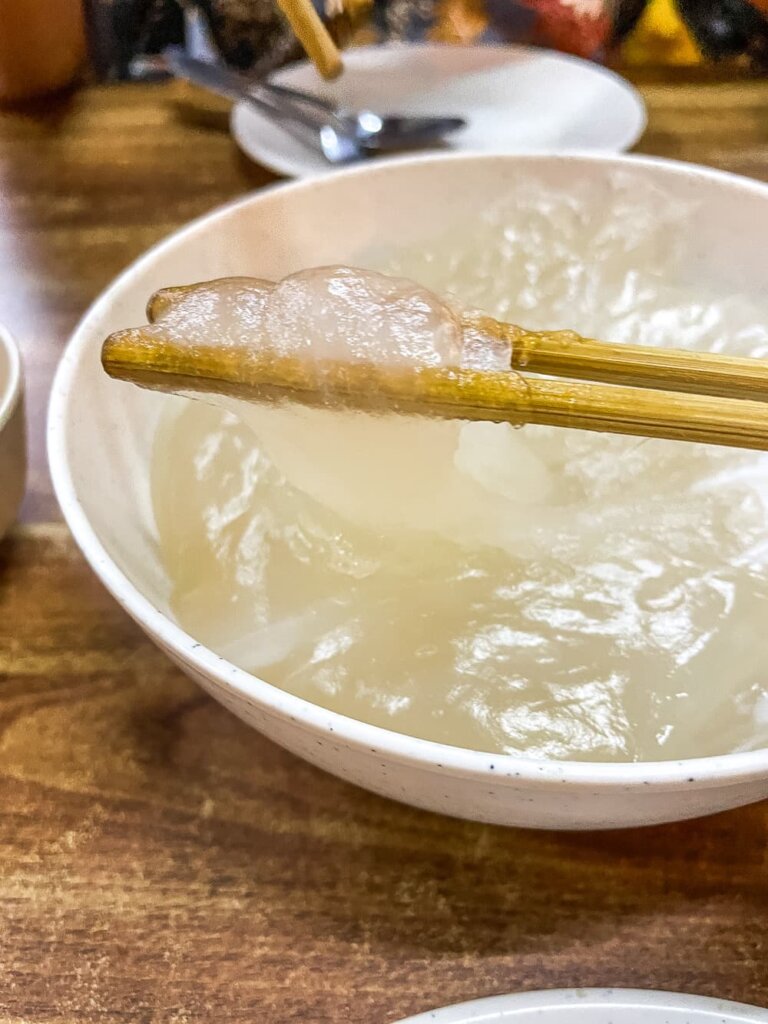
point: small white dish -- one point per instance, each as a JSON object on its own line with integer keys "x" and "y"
{"x": 515, "y": 99}
{"x": 595, "y": 1006}
{"x": 13, "y": 461}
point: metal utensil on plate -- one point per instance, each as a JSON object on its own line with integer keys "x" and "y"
{"x": 341, "y": 136}
{"x": 377, "y": 131}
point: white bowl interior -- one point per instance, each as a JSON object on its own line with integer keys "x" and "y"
{"x": 338, "y": 220}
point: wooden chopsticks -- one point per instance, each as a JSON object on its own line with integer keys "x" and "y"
{"x": 567, "y": 354}
{"x": 507, "y": 397}
{"x": 313, "y": 36}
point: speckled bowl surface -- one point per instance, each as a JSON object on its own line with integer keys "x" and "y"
{"x": 101, "y": 434}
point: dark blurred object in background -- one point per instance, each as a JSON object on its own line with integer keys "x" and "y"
{"x": 142, "y": 28}
{"x": 727, "y": 28}
{"x": 689, "y": 32}
{"x": 127, "y": 34}
{"x": 626, "y": 16}
{"x": 252, "y": 35}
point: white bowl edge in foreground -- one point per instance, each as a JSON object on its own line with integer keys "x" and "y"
{"x": 595, "y": 1006}
{"x": 292, "y": 218}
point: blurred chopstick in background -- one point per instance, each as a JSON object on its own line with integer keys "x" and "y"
{"x": 313, "y": 36}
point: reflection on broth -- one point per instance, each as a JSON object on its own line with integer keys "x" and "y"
{"x": 563, "y": 594}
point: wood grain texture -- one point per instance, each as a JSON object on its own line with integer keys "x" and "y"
{"x": 160, "y": 862}
{"x": 86, "y": 185}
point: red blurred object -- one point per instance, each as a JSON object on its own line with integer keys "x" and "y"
{"x": 581, "y": 27}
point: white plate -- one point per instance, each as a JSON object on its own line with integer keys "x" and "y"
{"x": 595, "y": 1006}
{"x": 515, "y": 99}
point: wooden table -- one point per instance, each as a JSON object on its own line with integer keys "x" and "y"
{"x": 161, "y": 862}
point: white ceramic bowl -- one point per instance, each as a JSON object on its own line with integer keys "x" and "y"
{"x": 595, "y": 1006}
{"x": 101, "y": 432}
{"x": 13, "y": 463}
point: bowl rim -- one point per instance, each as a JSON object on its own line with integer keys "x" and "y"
{"x": 552, "y": 1002}
{"x": 512, "y": 769}
{"x": 10, "y": 391}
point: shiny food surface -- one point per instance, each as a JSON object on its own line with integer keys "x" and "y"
{"x": 543, "y": 591}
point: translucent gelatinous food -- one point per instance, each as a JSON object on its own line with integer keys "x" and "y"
{"x": 558, "y": 593}
{"x": 384, "y": 472}
{"x": 334, "y": 313}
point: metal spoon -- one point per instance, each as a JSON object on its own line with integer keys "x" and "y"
{"x": 342, "y": 137}
{"x": 377, "y": 131}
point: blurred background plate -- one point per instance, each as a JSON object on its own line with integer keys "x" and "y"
{"x": 595, "y": 1006}
{"x": 514, "y": 98}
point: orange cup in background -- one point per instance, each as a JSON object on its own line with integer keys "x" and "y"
{"x": 42, "y": 46}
